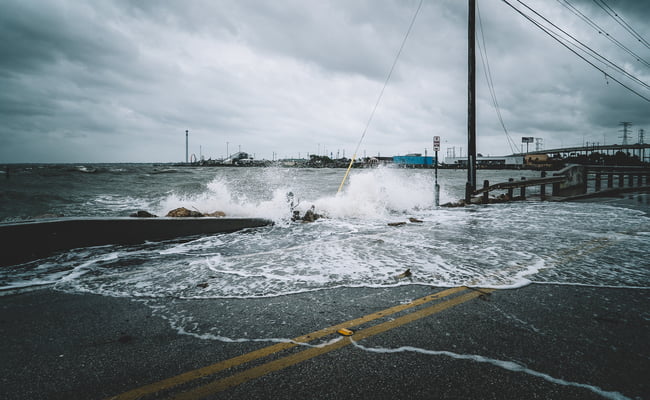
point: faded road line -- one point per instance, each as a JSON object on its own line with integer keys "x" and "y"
{"x": 256, "y": 372}
{"x": 264, "y": 352}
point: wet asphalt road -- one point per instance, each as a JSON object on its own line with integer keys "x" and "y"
{"x": 537, "y": 342}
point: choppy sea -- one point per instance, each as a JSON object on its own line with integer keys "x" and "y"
{"x": 598, "y": 243}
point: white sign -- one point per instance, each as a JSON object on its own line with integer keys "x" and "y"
{"x": 436, "y": 143}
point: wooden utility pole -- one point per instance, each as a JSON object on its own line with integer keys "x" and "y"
{"x": 470, "y": 186}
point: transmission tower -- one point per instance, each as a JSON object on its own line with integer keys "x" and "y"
{"x": 641, "y": 133}
{"x": 626, "y": 126}
{"x": 539, "y": 143}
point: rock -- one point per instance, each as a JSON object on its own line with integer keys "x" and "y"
{"x": 396, "y": 223}
{"x": 310, "y": 215}
{"x": 405, "y": 274}
{"x": 215, "y": 214}
{"x": 415, "y": 220}
{"x": 143, "y": 214}
{"x": 183, "y": 212}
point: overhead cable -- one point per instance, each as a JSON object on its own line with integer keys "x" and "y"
{"x": 589, "y": 50}
{"x": 621, "y": 22}
{"x": 488, "y": 77}
{"x": 381, "y": 93}
{"x": 554, "y": 36}
{"x": 602, "y": 31}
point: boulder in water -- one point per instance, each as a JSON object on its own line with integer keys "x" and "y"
{"x": 183, "y": 212}
{"x": 143, "y": 214}
{"x": 310, "y": 215}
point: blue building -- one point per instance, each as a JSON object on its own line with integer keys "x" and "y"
{"x": 413, "y": 160}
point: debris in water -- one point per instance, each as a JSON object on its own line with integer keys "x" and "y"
{"x": 202, "y": 285}
{"x": 396, "y": 223}
{"x": 405, "y": 274}
{"x": 345, "y": 332}
{"x": 415, "y": 220}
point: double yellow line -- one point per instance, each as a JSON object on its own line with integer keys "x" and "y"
{"x": 284, "y": 362}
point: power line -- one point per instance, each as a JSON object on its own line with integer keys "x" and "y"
{"x": 390, "y": 73}
{"x": 552, "y": 35}
{"x": 381, "y": 93}
{"x": 602, "y": 31}
{"x": 595, "y": 55}
{"x": 488, "y": 76}
{"x": 621, "y": 22}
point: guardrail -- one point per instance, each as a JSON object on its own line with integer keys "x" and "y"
{"x": 571, "y": 183}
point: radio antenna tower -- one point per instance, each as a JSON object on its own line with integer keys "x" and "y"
{"x": 625, "y": 126}
{"x": 641, "y": 134}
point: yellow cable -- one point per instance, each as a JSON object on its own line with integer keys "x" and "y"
{"x": 346, "y": 174}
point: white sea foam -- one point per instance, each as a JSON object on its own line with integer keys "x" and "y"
{"x": 507, "y": 365}
{"x": 500, "y": 246}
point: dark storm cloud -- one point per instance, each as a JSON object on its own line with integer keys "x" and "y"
{"x": 123, "y": 80}
{"x": 39, "y": 34}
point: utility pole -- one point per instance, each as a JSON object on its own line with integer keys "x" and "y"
{"x": 470, "y": 186}
{"x": 625, "y": 126}
{"x": 186, "y": 146}
{"x": 642, "y": 141}
{"x": 436, "y": 187}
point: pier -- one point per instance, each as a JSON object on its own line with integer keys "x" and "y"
{"x": 571, "y": 183}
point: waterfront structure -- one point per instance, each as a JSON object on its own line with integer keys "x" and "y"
{"x": 513, "y": 161}
{"x": 412, "y": 160}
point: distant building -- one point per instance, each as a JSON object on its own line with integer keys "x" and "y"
{"x": 412, "y": 160}
{"x": 538, "y": 161}
{"x": 495, "y": 162}
{"x": 237, "y": 158}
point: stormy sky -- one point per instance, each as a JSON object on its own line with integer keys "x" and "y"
{"x": 121, "y": 81}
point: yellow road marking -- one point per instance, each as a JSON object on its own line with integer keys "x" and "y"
{"x": 266, "y": 351}
{"x": 272, "y": 366}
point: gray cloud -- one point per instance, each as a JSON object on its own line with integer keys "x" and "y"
{"x": 121, "y": 80}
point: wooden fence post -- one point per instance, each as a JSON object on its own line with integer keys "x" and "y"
{"x": 486, "y": 184}
{"x": 510, "y": 191}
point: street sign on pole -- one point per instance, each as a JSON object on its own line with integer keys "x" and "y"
{"x": 436, "y": 143}
{"x": 436, "y": 148}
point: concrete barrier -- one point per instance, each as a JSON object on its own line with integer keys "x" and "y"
{"x": 575, "y": 184}
{"x": 30, "y": 240}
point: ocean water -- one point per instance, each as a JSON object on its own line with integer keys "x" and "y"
{"x": 598, "y": 243}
